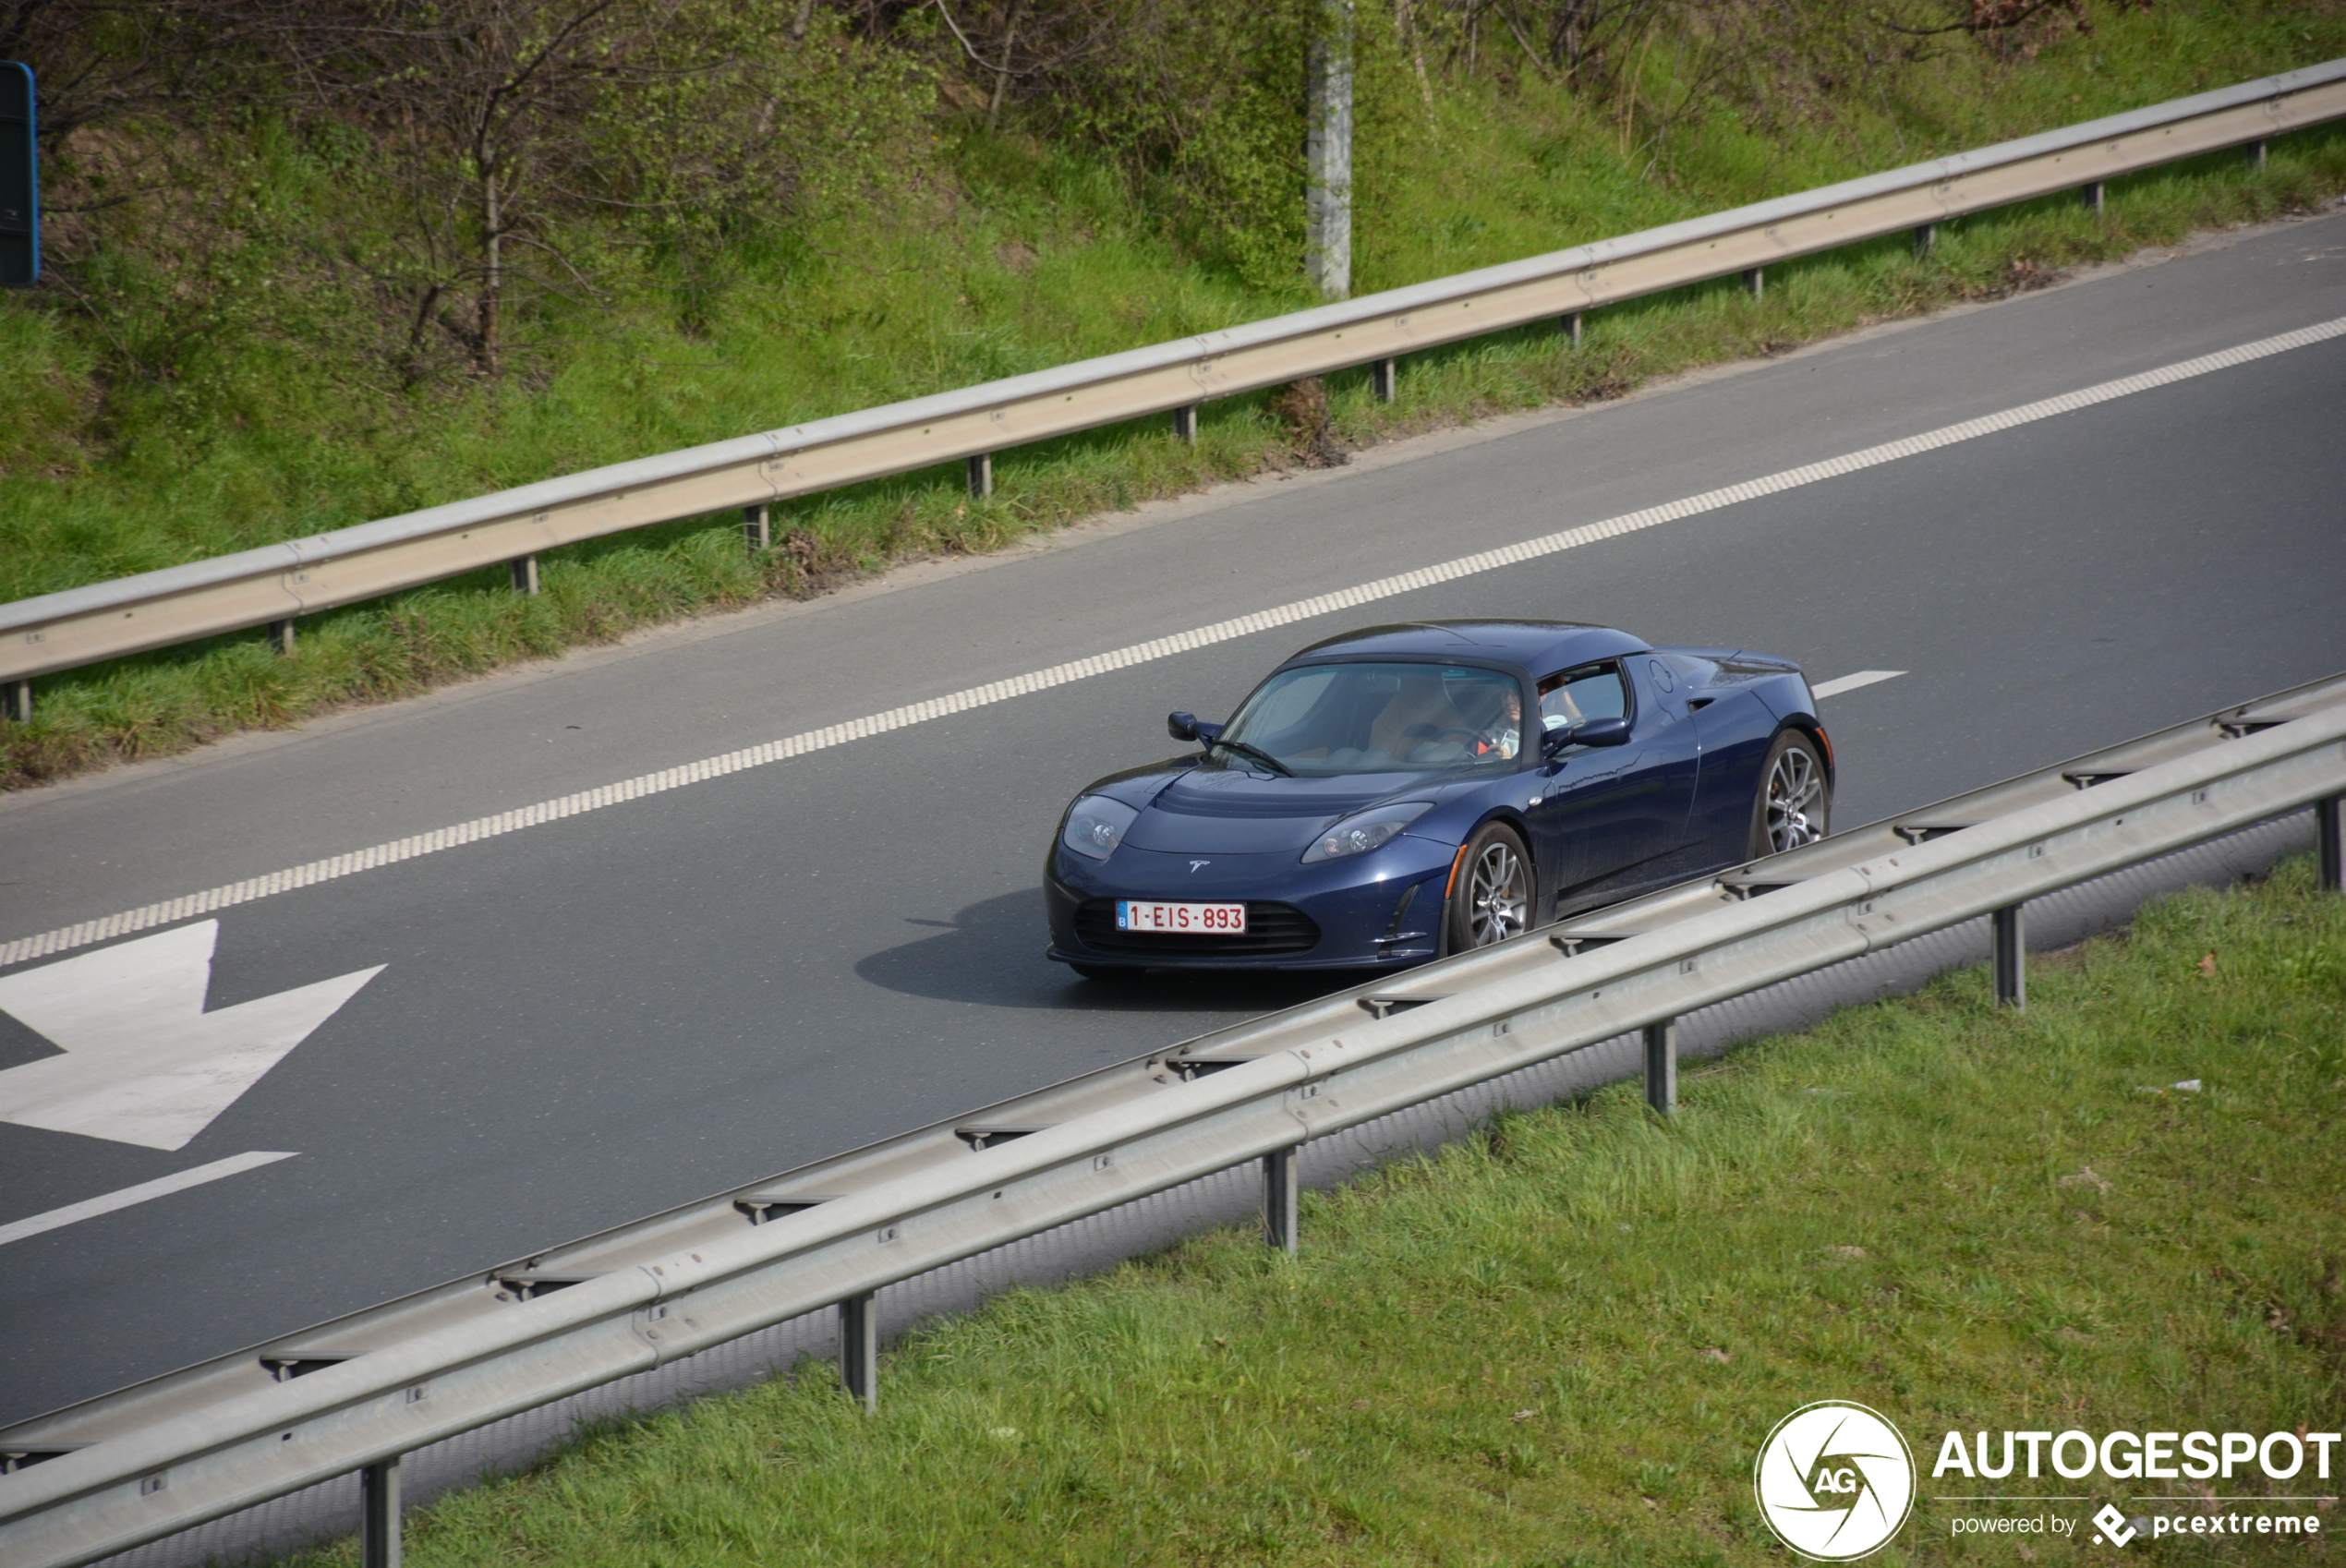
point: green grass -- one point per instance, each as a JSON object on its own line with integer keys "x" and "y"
{"x": 1562, "y": 1341}
{"x": 154, "y": 431}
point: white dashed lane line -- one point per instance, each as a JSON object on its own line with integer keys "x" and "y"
{"x": 621, "y": 790}
{"x": 162, "y": 1187}
{"x": 1851, "y": 683}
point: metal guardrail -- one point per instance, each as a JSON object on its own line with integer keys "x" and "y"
{"x": 354, "y": 1394}
{"x": 278, "y": 583}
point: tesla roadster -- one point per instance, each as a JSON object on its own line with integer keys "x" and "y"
{"x": 1393, "y": 795}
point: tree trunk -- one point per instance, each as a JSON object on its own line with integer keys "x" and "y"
{"x": 493, "y": 272}
{"x": 1002, "y": 76}
{"x": 1327, "y": 155}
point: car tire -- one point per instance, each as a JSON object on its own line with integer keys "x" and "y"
{"x": 1793, "y": 804}
{"x": 1493, "y": 898}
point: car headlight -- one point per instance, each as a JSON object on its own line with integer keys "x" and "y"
{"x": 1096, "y": 826}
{"x": 1369, "y": 830}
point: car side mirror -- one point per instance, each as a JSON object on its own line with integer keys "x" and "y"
{"x": 1600, "y": 732}
{"x": 1181, "y": 726}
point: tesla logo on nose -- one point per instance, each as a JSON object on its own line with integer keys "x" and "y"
{"x": 1194, "y": 864}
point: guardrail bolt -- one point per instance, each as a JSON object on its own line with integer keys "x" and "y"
{"x": 1570, "y": 326}
{"x": 16, "y": 701}
{"x": 524, "y": 574}
{"x": 1926, "y": 237}
{"x": 280, "y": 637}
{"x": 757, "y": 527}
{"x": 2330, "y": 843}
{"x": 379, "y": 1515}
{"x": 981, "y": 476}
{"x": 2091, "y": 197}
{"x": 2254, "y": 155}
{"x": 1755, "y": 282}
{"x": 1185, "y": 424}
{"x": 1384, "y": 380}
{"x": 2008, "y": 941}
{"x": 1662, "y": 1066}
{"x": 859, "y": 1350}
{"x": 1279, "y": 1199}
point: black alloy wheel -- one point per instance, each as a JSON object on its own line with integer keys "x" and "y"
{"x": 1492, "y": 901}
{"x": 1794, "y": 804}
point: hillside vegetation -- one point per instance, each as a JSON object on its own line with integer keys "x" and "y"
{"x": 316, "y": 261}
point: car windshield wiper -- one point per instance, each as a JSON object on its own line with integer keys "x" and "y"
{"x": 1257, "y": 753}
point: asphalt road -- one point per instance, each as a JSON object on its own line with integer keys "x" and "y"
{"x": 583, "y": 1022}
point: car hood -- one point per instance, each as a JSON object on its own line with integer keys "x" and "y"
{"x": 1230, "y": 811}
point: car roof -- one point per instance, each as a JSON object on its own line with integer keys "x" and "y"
{"x": 1539, "y": 646}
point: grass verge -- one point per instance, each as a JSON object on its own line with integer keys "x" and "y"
{"x": 1563, "y": 1340}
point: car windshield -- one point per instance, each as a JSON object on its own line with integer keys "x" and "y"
{"x": 1329, "y": 718}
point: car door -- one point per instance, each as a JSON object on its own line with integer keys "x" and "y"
{"x": 1613, "y": 818}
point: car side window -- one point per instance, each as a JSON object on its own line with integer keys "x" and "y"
{"x": 1588, "y": 691}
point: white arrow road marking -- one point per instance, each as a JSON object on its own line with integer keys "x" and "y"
{"x": 625, "y": 789}
{"x": 144, "y": 1063}
{"x": 1851, "y": 683}
{"x": 162, "y": 1187}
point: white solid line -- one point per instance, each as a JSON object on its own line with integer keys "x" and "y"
{"x": 162, "y": 1187}
{"x": 481, "y": 828}
{"x": 1851, "y": 683}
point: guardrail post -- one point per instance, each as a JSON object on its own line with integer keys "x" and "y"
{"x": 859, "y": 1350}
{"x": 2330, "y": 843}
{"x": 524, "y": 574}
{"x": 2255, "y": 154}
{"x": 1279, "y": 1199}
{"x": 280, "y": 637}
{"x": 1384, "y": 380}
{"x": 1926, "y": 238}
{"x": 16, "y": 701}
{"x": 757, "y": 527}
{"x": 981, "y": 469}
{"x": 2009, "y": 943}
{"x": 2091, "y": 196}
{"x": 1185, "y": 424}
{"x": 1661, "y": 1065}
{"x": 1755, "y": 281}
{"x": 1571, "y": 327}
{"x": 379, "y": 1515}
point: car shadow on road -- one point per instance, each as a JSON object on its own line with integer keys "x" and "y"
{"x": 991, "y": 953}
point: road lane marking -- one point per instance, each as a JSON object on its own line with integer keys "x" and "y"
{"x": 701, "y": 772}
{"x": 162, "y": 1187}
{"x": 142, "y": 1062}
{"x": 1851, "y": 683}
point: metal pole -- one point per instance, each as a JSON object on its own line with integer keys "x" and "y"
{"x": 2330, "y": 843}
{"x": 859, "y": 1350}
{"x": 280, "y": 637}
{"x": 757, "y": 527}
{"x": 1755, "y": 281}
{"x": 1661, "y": 1065}
{"x": 1185, "y": 424}
{"x": 1571, "y": 325}
{"x": 525, "y": 574}
{"x": 16, "y": 701}
{"x": 2091, "y": 196}
{"x": 2009, "y": 940}
{"x": 1327, "y": 155}
{"x": 981, "y": 476}
{"x": 1279, "y": 1199}
{"x": 2254, "y": 152}
{"x": 379, "y": 1515}
{"x": 1384, "y": 380}
{"x": 1926, "y": 240}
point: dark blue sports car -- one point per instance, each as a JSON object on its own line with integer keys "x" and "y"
{"x": 1395, "y": 794}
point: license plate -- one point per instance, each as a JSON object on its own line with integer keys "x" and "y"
{"x": 1180, "y": 919}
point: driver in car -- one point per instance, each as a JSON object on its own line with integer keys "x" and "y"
{"x": 1501, "y": 734}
